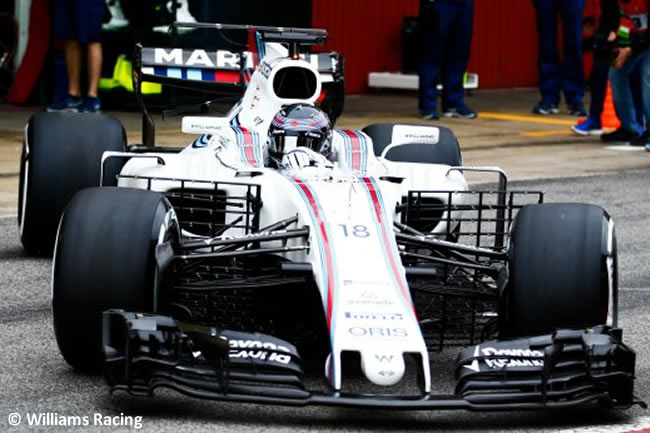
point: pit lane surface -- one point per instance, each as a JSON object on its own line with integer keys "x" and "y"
{"x": 35, "y": 379}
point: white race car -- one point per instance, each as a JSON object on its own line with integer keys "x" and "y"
{"x": 216, "y": 269}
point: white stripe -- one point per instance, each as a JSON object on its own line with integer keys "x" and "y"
{"x": 25, "y": 182}
{"x": 174, "y": 73}
{"x": 194, "y": 74}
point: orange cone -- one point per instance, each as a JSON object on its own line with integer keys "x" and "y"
{"x": 608, "y": 119}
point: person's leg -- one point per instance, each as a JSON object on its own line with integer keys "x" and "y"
{"x": 89, "y": 24}
{"x": 573, "y": 81}
{"x": 643, "y": 67}
{"x": 598, "y": 87}
{"x": 94, "y": 67}
{"x": 435, "y": 22}
{"x": 549, "y": 59}
{"x": 430, "y": 58}
{"x": 460, "y": 40}
{"x": 622, "y": 94}
{"x": 73, "y": 65}
{"x": 637, "y": 95}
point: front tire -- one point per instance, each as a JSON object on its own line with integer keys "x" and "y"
{"x": 562, "y": 270}
{"x": 61, "y": 155}
{"x": 104, "y": 258}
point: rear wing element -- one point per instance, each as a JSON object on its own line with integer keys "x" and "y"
{"x": 228, "y": 72}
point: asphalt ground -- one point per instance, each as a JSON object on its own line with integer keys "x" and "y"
{"x": 35, "y": 379}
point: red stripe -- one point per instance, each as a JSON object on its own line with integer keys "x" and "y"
{"x": 226, "y": 77}
{"x": 252, "y": 46}
{"x": 248, "y": 146}
{"x": 326, "y": 246}
{"x": 356, "y": 149}
{"x": 387, "y": 245}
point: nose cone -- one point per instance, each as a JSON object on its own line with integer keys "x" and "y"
{"x": 383, "y": 367}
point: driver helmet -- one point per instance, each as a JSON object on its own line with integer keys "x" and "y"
{"x": 299, "y": 125}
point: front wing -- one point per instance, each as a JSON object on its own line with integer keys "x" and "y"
{"x": 569, "y": 368}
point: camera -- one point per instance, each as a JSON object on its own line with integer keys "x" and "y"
{"x": 604, "y": 49}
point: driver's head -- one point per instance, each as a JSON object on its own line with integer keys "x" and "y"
{"x": 300, "y": 125}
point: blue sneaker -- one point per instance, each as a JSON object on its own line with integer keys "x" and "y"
{"x": 647, "y": 147}
{"x": 69, "y": 103}
{"x": 590, "y": 126}
{"x": 91, "y": 105}
{"x": 460, "y": 111}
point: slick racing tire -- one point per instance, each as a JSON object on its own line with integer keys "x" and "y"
{"x": 61, "y": 155}
{"x": 443, "y": 151}
{"x": 562, "y": 270}
{"x": 105, "y": 258}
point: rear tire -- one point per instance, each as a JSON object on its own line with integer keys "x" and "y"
{"x": 445, "y": 151}
{"x": 104, "y": 258}
{"x": 562, "y": 270}
{"x": 61, "y": 155}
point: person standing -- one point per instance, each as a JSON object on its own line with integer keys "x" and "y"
{"x": 78, "y": 23}
{"x": 446, "y": 29}
{"x": 626, "y": 22}
{"x": 555, "y": 75}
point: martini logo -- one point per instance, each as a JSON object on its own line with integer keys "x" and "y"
{"x": 198, "y": 58}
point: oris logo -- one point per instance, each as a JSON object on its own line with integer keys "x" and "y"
{"x": 360, "y": 331}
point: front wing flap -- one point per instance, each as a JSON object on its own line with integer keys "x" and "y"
{"x": 144, "y": 352}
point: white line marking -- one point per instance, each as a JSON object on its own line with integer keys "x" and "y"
{"x": 626, "y": 148}
{"x": 640, "y": 423}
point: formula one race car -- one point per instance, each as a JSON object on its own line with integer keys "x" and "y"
{"x": 273, "y": 243}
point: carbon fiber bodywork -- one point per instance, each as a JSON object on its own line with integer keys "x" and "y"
{"x": 569, "y": 368}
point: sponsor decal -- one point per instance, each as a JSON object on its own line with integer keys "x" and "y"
{"x": 493, "y": 362}
{"x": 384, "y": 358}
{"x": 524, "y": 353}
{"x": 415, "y": 134}
{"x": 258, "y": 350}
{"x": 198, "y": 58}
{"x": 360, "y": 331}
{"x": 386, "y": 373}
{"x": 431, "y": 137}
{"x": 265, "y": 69}
{"x": 369, "y": 302}
{"x": 373, "y": 316}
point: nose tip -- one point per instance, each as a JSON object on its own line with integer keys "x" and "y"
{"x": 383, "y": 368}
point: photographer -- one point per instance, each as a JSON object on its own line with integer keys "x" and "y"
{"x": 626, "y": 23}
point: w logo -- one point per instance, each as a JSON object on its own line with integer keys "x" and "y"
{"x": 384, "y": 358}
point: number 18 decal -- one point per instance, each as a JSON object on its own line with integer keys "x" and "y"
{"x": 357, "y": 230}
